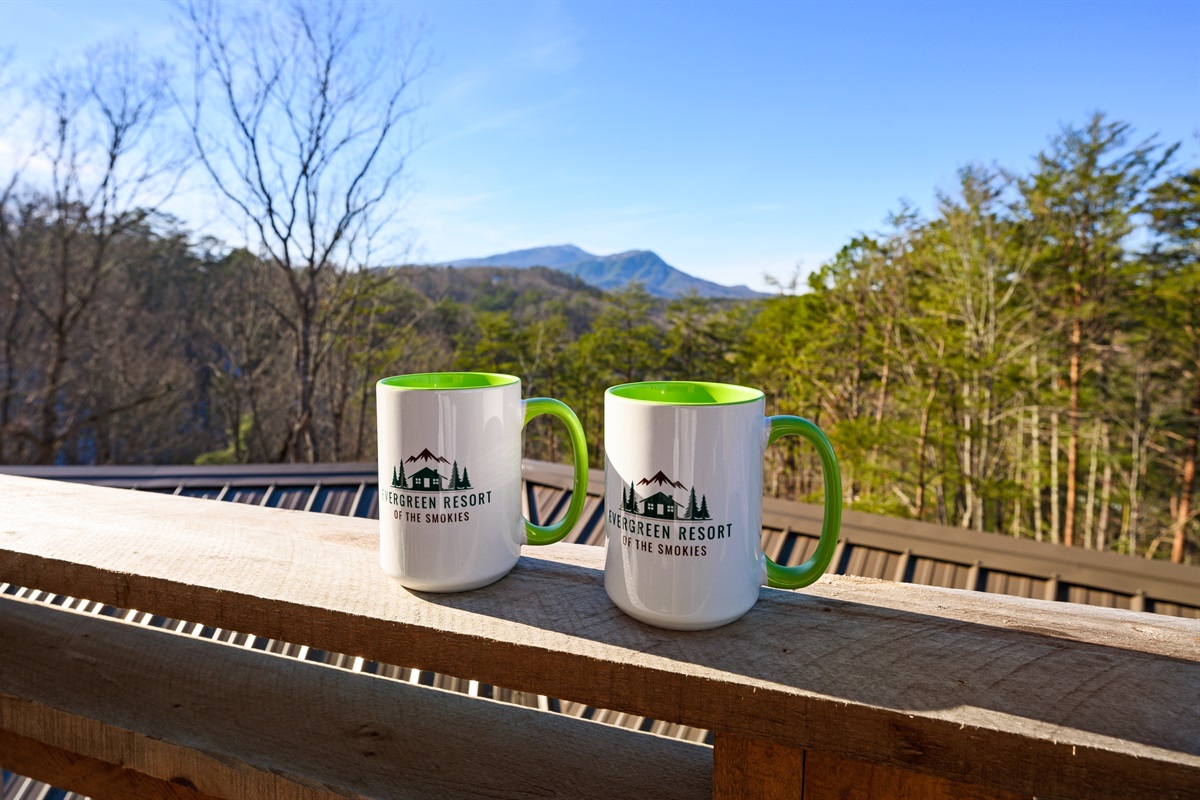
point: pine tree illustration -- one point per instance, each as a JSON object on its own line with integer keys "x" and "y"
{"x": 395, "y": 479}
{"x": 632, "y": 508}
{"x": 692, "y": 511}
{"x": 704, "y": 508}
{"x": 454, "y": 477}
{"x": 624, "y": 499}
{"x": 403, "y": 480}
{"x": 466, "y": 480}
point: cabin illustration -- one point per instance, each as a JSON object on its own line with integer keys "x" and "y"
{"x": 659, "y": 506}
{"x": 427, "y": 480}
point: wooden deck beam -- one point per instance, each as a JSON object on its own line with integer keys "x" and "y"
{"x": 1005, "y": 694}
{"x": 115, "y": 710}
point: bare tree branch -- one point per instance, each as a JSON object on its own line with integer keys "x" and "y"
{"x": 298, "y": 116}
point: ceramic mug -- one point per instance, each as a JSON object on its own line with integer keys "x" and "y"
{"x": 683, "y": 501}
{"x": 450, "y": 478}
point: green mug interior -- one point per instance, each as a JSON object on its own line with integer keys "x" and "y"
{"x": 686, "y": 393}
{"x": 449, "y": 380}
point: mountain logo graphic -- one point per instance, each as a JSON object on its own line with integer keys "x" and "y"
{"x": 428, "y": 478}
{"x": 660, "y": 500}
{"x": 425, "y": 455}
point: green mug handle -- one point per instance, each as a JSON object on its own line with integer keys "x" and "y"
{"x": 808, "y": 572}
{"x": 549, "y": 534}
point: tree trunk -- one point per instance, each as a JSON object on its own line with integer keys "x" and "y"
{"x": 1073, "y": 376}
{"x": 922, "y": 439}
{"x": 239, "y": 448}
{"x": 1091, "y": 492}
{"x": 881, "y": 400}
{"x": 302, "y": 445}
{"x": 47, "y": 439}
{"x": 983, "y": 398}
{"x": 1105, "y": 492}
{"x": 364, "y": 397}
{"x": 339, "y": 400}
{"x": 964, "y": 461}
{"x": 1035, "y": 443}
{"x": 1188, "y": 478}
{"x": 1019, "y": 467}
{"x": 1054, "y": 506}
{"x": 1129, "y": 531}
{"x": 10, "y": 375}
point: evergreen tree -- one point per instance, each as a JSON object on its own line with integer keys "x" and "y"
{"x": 466, "y": 480}
{"x": 632, "y": 507}
{"x": 1171, "y": 317}
{"x": 395, "y": 478}
{"x": 625, "y": 343}
{"x": 700, "y": 337}
{"x": 704, "y": 508}
{"x": 692, "y": 511}
{"x": 1083, "y": 198}
{"x": 454, "y": 477}
{"x": 624, "y": 499}
{"x": 403, "y": 480}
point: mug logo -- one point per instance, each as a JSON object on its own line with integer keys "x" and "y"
{"x": 411, "y": 494}
{"x": 661, "y": 504}
{"x": 429, "y": 479}
{"x": 666, "y": 517}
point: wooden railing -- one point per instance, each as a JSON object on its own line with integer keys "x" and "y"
{"x": 851, "y": 688}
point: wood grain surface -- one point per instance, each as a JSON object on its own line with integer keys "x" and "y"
{"x": 1029, "y": 696}
{"x": 120, "y": 711}
{"x": 96, "y": 779}
{"x": 756, "y": 769}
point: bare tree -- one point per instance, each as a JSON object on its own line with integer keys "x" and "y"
{"x": 98, "y": 162}
{"x": 301, "y": 118}
{"x": 247, "y": 362}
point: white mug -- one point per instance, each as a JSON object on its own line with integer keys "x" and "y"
{"x": 683, "y": 501}
{"x": 450, "y": 478}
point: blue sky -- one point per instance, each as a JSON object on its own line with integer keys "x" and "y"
{"x": 734, "y": 139}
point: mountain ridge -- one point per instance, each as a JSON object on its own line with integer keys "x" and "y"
{"x": 614, "y": 271}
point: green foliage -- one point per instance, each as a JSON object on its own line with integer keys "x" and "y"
{"x": 970, "y": 368}
{"x": 235, "y": 451}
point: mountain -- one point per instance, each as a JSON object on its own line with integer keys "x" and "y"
{"x": 662, "y": 480}
{"x": 425, "y": 455}
{"x": 554, "y": 256}
{"x": 612, "y": 271}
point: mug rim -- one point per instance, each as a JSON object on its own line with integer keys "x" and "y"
{"x": 685, "y": 393}
{"x": 452, "y": 381}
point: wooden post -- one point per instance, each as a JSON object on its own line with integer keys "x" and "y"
{"x": 756, "y": 769}
{"x": 831, "y": 777}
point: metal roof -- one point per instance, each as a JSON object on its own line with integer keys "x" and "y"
{"x": 870, "y": 546}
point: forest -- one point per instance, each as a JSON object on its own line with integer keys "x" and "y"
{"x": 1022, "y": 359}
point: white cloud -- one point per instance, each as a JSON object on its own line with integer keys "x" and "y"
{"x": 513, "y": 118}
{"x": 552, "y": 40}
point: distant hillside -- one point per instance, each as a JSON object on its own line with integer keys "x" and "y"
{"x": 528, "y": 292}
{"x": 612, "y": 271}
